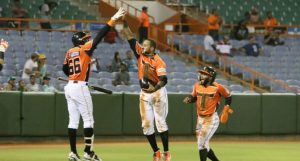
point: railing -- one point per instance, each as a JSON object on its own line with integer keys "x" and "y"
{"x": 71, "y": 25}
{"x": 261, "y": 29}
{"x": 128, "y": 7}
{"x": 224, "y": 59}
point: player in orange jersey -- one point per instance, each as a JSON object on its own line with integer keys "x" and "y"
{"x": 207, "y": 95}
{"x": 77, "y": 68}
{"x": 152, "y": 75}
{"x": 3, "y": 46}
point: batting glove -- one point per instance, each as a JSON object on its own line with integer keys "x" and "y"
{"x": 3, "y": 45}
{"x": 121, "y": 12}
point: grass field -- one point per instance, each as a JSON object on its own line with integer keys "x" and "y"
{"x": 181, "y": 151}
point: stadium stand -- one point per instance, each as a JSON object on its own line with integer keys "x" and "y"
{"x": 64, "y": 10}
{"x": 285, "y": 11}
{"x": 182, "y": 75}
{"x": 278, "y": 62}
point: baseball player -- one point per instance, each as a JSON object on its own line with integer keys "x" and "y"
{"x": 3, "y": 46}
{"x": 77, "y": 67}
{"x": 152, "y": 76}
{"x": 207, "y": 95}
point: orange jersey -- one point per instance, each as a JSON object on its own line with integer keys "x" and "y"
{"x": 208, "y": 97}
{"x": 213, "y": 22}
{"x": 79, "y": 62}
{"x": 150, "y": 67}
{"x": 270, "y": 22}
{"x": 144, "y": 19}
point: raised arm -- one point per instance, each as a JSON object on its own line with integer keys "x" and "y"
{"x": 127, "y": 32}
{"x": 121, "y": 12}
{"x": 134, "y": 45}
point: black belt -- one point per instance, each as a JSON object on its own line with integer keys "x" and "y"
{"x": 77, "y": 82}
{"x": 208, "y": 115}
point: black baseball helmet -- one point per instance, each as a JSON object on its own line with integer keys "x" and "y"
{"x": 210, "y": 71}
{"x": 80, "y": 38}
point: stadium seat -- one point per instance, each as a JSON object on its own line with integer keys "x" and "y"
{"x": 237, "y": 88}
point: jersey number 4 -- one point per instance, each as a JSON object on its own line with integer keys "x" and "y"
{"x": 74, "y": 66}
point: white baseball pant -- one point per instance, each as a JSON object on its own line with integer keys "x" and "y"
{"x": 79, "y": 103}
{"x": 205, "y": 129}
{"x": 154, "y": 107}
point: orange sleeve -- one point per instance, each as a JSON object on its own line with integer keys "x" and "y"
{"x": 194, "y": 92}
{"x": 66, "y": 58}
{"x": 138, "y": 48}
{"x": 161, "y": 68}
{"x": 88, "y": 45}
{"x": 223, "y": 91}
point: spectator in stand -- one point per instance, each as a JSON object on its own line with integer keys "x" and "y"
{"x": 182, "y": 26}
{"x": 11, "y": 84}
{"x": 3, "y": 46}
{"x": 1, "y": 87}
{"x": 42, "y": 67}
{"x": 95, "y": 65}
{"x": 252, "y": 48}
{"x": 254, "y": 17}
{"x": 246, "y": 19}
{"x": 144, "y": 24}
{"x": 270, "y": 21}
{"x": 46, "y": 87}
{"x": 209, "y": 43}
{"x": 111, "y": 36}
{"x": 130, "y": 62}
{"x": 19, "y": 12}
{"x": 33, "y": 86}
{"x": 22, "y": 86}
{"x": 122, "y": 77}
{"x": 224, "y": 47}
{"x": 31, "y": 67}
{"x": 116, "y": 62}
{"x": 240, "y": 32}
{"x": 273, "y": 38}
{"x": 214, "y": 23}
{"x": 45, "y": 11}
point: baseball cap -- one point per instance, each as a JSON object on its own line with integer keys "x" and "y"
{"x": 144, "y": 8}
{"x": 46, "y": 78}
{"x": 12, "y": 78}
{"x": 42, "y": 56}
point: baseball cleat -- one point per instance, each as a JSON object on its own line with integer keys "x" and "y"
{"x": 166, "y": 156}
{"x": 73, "y": 157}
{"x": 156, "y": 156}
{"x": 91, "y": 157}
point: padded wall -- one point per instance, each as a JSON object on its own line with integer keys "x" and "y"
{"x": 10, "y": 113}
{"x": 279, "y": 114}
{"x": 132, "y": 124}
{"x": 108, "y": 114}
{"x": 38, "y": 110}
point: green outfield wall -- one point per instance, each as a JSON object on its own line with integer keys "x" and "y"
{"x": 46, "y": 114}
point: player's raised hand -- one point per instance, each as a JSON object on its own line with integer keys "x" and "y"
{"x": 3, "y": 45}
{"x": 121, "y": 12}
